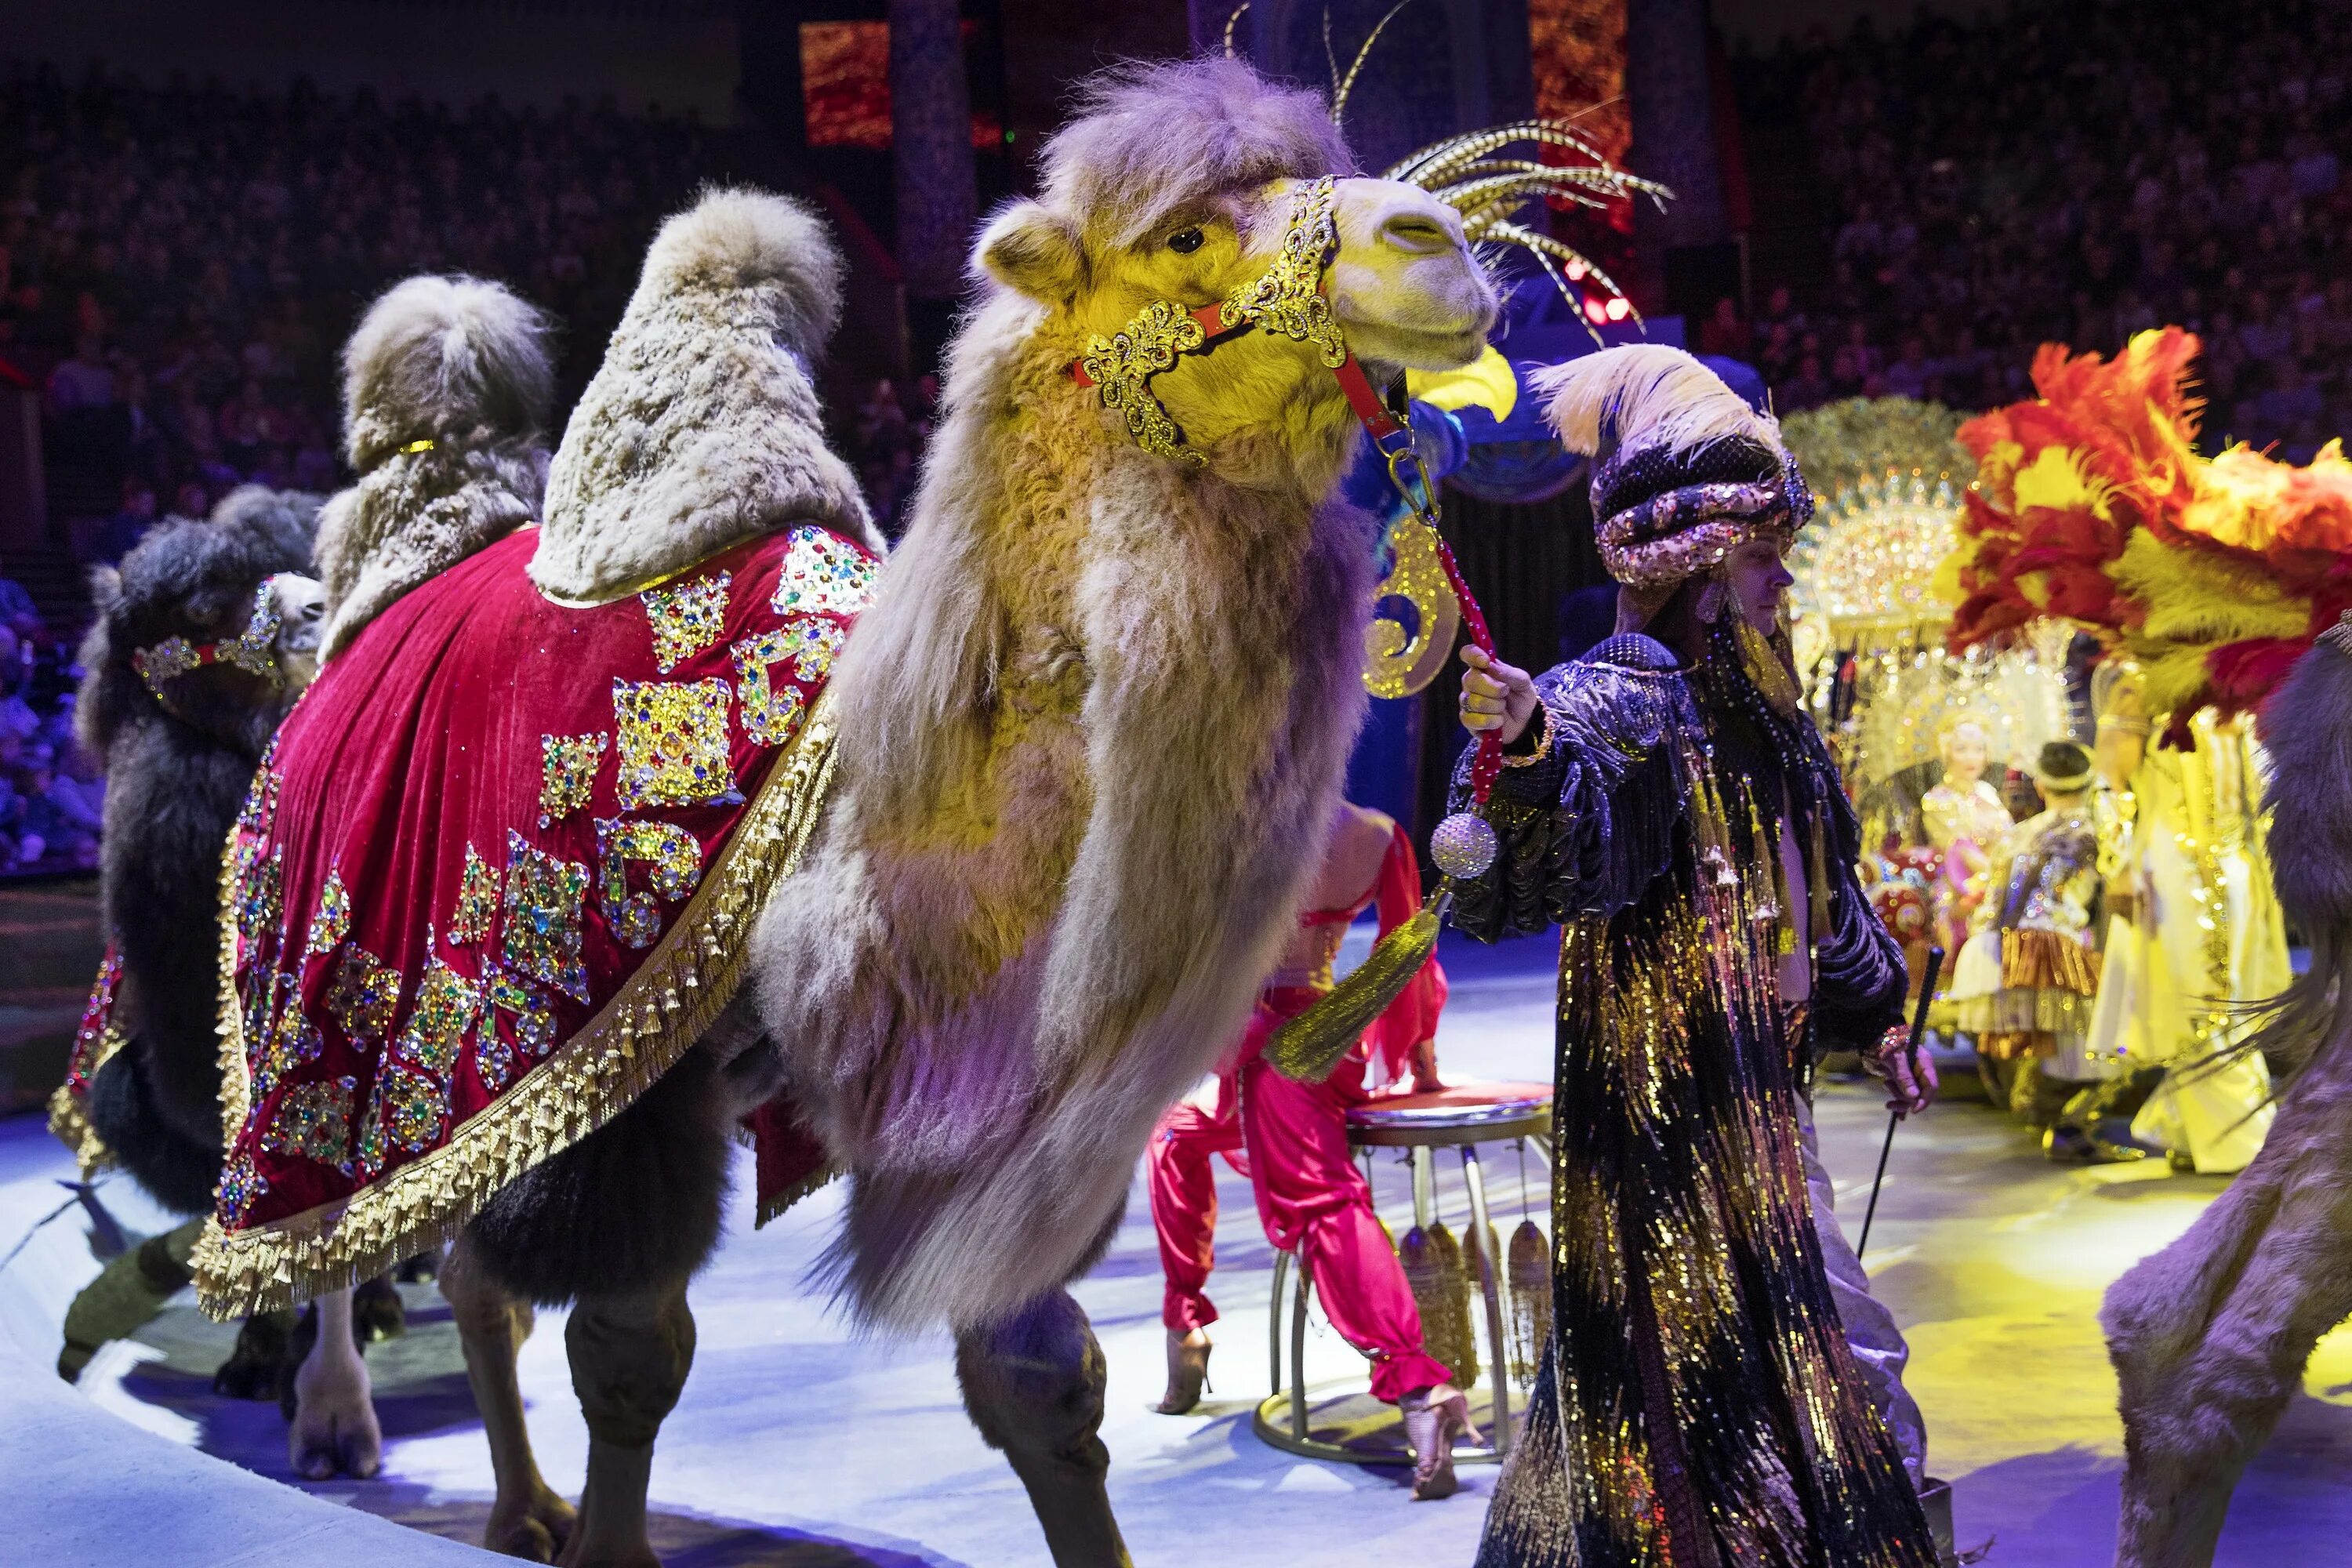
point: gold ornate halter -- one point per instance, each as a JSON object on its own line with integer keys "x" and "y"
{"x": 1287, "y": 299}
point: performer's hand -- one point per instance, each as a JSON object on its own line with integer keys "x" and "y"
{"x": 1495, "y": 696}
{"x": 1912, "y": 1085}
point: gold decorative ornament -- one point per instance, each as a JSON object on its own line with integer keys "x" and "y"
{"x": 1397, "y": 662}
{"x": 1123, "y": 364}
{"x": 1288, "y": 298}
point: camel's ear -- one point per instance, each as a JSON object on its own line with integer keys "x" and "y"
{"x": 1036, "y": 251}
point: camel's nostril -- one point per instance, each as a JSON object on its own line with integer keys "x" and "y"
{"x": 1416, "y": 234}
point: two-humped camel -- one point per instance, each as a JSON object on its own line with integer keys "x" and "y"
{"x": 1088, "y": 732}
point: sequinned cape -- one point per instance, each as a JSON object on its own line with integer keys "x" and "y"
{"x": 493, "y": 878}
{"x": 1697, "y": 1406}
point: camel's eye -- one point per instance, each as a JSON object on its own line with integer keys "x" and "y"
{"x": 1185, "y": 241}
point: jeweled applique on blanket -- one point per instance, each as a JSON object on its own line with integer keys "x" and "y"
{"x": 493, "y": 878}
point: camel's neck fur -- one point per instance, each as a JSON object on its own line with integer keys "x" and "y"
{"x": 1092, "y": 727}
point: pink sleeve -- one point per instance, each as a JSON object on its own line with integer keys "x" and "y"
{"x": 1413, "y": 1016}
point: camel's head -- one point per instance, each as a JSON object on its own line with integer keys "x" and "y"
{"x": 213, "y": 621}
{"x": 1195, "y": 182}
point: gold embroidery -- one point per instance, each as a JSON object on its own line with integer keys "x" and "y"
{"x": 686, "y": 619}
{"x": 314, "y": 1120}
{"x": 1289, "y": 298}
{"x": 1123, "y": 364}
{"x": 677, "y": 861}
{"x": 770, "y": 713}
{"x": 567, "y": 774}
{"x": 821, "y": 571}
{"x": 334, "y": 920}
{"x": 544, "y": 902}
{"x": 673, "y": 743}
{"x": 446, "y": 1003}
{"x": 478, "y": 900}
{"x": 584, "y": 1084}
{"x": 365, "y": 993}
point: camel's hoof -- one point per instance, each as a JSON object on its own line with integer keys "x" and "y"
{"x": 535, "y": 1532}
{"x": 377, "y": 1313}
{"x": 334, "y": 1429}
{"x": 255, "y": 1367}
{"x": 422, "y": 1269}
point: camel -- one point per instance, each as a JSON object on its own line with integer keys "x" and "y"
{"x": 2210, "y": 1336}
{"x": 1088, "y": 730}
{"x": 179, "y": 743}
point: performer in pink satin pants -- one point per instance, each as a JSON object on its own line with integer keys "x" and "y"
{"x": 1291, "y": 1140}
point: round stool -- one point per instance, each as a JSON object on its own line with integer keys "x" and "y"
{"x": 1462, "y": 1116}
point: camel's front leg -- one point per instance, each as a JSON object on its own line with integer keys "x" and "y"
{"x": 1033, "y": 1387}
{"x": 630, "y": 1356}
{"x": 334, "y": 1426}
{"x": 2210, "y": 1337}
{"x": 528, "y": 1519}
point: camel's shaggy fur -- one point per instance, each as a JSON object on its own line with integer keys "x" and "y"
{"x": 447, "y": 387}
{"x": 2210, "y": 1336}
{"x": 696, "y": 433}
{"x": 174, "y": 782}
{"x": 1099, "y": 711}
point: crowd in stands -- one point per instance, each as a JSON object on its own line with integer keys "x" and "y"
{"x": 179, "y": 264}
{"x": 2070, "y": 173}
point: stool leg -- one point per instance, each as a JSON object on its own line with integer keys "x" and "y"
{"x": 1425, "y": 1189}
{"x": 1490, "y": 1276}
{"x": 1273, "y": 1324}
{"x": 1298, "y": 1355}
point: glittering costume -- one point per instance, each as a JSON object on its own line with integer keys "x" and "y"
{"x": 2042, "y": 934}
{"x": 1964, "y": 825}
{"x": 1698, "y": 1404}
{"x": 1310, "y": 1196}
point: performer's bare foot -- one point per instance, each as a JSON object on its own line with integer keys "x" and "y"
{"x": 1188, "y": 1371}
{"x": 1433, "y": 1419}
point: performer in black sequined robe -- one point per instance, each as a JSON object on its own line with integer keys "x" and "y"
{"x": 1672, "y": 809}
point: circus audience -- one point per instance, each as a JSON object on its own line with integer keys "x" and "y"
{"x": 178, "y": 262}
{"x": 2071, "y": 172}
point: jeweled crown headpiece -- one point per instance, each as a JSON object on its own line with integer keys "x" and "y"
{"x": 253, "y": 650}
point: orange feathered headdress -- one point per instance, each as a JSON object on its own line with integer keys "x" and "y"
{"x": 2091, "y": 505}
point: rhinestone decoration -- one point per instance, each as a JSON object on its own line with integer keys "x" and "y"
{"x": 770, "y": 713}
{"x": 567, "y": 774}
{"x": 686, "y": 619}
{"x": 369, "y": 1157}
{"x": 821, "y": 572}
{"x": 315, "y": 1121}
{"x": 446, "y": 1005}
{"x": 334, "y": 920}
{"x": 544, "y": 900}
{"x": 534, "y": 1024}
{"x": 673, "y": 743}
{"x": 265, "y": 996}
{"x": 293, "y": 1040}
{"x": 493, "y": 1062}
{"x": 477, "y": 898}
{"x": 366, "y": 991}
{"x": 260, "y": 886}
{"x": 260, "y": 808}
{"x": 417, "y": 1107}
{"x": 677, "y": 861}
{"x": 1463, "y": 845}
{"x": 240, "y": 1184}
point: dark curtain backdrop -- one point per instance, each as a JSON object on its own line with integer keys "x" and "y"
{"x": 1520, "y": 561}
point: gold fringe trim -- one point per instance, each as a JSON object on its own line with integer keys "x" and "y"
{"x": 657, "y": 1016}
{"x": 2047, "y": 961}
{"x": 69, "y": 1125}
{"x": 776, "y": 1204}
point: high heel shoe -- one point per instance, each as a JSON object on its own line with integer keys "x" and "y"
{"x": 1188, "y": 1372}
{"x": 1433, "y": 1419}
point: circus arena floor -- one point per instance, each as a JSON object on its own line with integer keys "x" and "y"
{"x": 799, "y": 1443}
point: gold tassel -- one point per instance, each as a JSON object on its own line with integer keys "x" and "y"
{"x": 1432, "y": 1267}
{"x": 1530, "y": 1269}
{"x": 1309, "y": 1046}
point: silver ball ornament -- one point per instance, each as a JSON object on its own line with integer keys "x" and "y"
{"x": 1463, "y": 845}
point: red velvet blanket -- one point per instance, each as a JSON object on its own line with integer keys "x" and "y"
{"x": 492, "y": 879}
